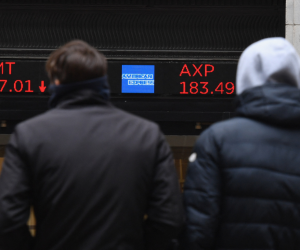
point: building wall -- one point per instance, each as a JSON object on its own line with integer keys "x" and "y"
{"x": 293, "y": 22}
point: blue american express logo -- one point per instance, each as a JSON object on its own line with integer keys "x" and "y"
{"x": 138, "y": 79}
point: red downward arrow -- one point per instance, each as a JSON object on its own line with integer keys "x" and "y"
{"x": 42, "y": 87}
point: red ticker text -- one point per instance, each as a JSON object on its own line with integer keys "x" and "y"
{"x": 16, "y": 85}
{"x": 203, "y": 87}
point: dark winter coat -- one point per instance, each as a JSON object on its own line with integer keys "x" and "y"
{"x": 243, "y": 190}
{"x": 92, "y": 172}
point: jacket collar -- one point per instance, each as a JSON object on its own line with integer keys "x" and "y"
{"x": 274, "y": 103}
{"x": 81, "y": 98}
{"x": 80, "y": 90}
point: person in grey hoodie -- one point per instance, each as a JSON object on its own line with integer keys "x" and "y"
{"x": 242, "y": 187}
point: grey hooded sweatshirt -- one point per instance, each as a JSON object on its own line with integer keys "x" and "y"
{"x": 242, "y": 189}
{"x": 270, "y": 60}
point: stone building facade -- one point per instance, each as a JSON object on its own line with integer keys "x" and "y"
{"x": 292, "y": 22}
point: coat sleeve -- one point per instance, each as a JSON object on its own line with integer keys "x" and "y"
{"x": 202, "y": 194}
{"x": 165, "y": 209}
{"x": 14, "y": 200}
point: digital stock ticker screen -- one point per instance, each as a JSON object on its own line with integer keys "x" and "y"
{"x": 173, "y": 78}
{"x": 28, "y": 77}
{"x": 157, "y": 78}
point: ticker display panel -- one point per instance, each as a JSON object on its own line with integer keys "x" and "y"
{"x": 132, "y": 78}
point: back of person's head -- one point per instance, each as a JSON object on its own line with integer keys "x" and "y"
{"x": 76, "y": 61}
{"x": 271, "y": 60}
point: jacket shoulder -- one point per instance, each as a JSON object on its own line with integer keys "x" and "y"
{"x": 227, "y": 129}
{"x": 60, "y": 118}
{"x": 232, "y": 125}
{"x": 35, "y": 121}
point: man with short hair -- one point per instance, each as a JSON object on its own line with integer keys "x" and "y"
{"x": 91, "y": 171}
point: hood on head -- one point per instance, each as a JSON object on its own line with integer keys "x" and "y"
{"x": 271, "y": 60}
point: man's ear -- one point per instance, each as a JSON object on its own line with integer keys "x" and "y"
{"x": 56, "y": 82}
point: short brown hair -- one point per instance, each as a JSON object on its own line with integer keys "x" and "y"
{"x": 75, "y": 61}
